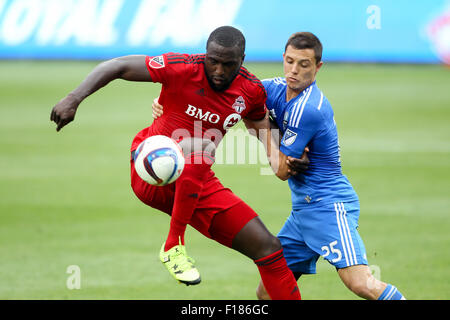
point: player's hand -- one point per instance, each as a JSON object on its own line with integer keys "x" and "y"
{"x": 64, "y": 111}
{"x": 296, "y": 166}
{"x": 157, "y": 109}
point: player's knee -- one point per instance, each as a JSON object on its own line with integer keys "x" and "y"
{"x": 255, "y": 241}
{"x": 269, "y": 245}
{"x": 275, "y": 244}
{"x": 264, "y": 246}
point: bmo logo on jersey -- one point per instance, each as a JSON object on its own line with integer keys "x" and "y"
{"x": 198, "y": 113}
{"x": 213, "y": 118}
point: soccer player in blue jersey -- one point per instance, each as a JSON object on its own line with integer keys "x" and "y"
{"x": 325, "y": 207}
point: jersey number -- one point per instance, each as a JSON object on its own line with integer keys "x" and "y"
{"x": 331, "y": 248}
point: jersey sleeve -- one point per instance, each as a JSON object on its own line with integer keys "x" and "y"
{"x": 167, "y": 67}
{"x": 301, "y": 128}
{"x": 267, "y": 83}
{"x": 259, "y": 109}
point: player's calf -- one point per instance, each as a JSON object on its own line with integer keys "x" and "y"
{"x": 256, "y": 242}
{"x": 361, "y": 282}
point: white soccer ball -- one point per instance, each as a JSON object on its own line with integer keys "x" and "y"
{"x": 159, "y": 160}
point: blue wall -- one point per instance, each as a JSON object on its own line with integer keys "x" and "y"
{"x": 351, "y": 30}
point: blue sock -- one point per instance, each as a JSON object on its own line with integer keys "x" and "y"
{"x": 391, "y": 293}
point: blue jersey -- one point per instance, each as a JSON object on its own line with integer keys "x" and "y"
{"x": 308, "y": 120}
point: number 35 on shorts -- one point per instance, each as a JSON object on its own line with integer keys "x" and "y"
{"x": 331, "y": 249}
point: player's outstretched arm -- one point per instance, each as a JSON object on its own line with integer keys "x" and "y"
{"x": 131, "y": 68}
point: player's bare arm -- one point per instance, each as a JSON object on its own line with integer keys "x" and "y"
{"x": 131, "y": 68}
{"x": 283, "y": 166}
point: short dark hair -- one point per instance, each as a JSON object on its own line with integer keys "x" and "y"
{"x": 227, "y": 36}
{"x": 306, "y": 40}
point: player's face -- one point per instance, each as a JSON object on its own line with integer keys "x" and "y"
{"x": 300, "y": 68}
{"x": 222, "y": 65}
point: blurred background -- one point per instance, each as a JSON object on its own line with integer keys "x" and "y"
{"x": 70, "y": 225}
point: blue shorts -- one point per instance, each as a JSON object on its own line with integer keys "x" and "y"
{"x": 329, "y": 230}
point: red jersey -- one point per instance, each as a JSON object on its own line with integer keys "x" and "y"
{"x": 191, "y": 107}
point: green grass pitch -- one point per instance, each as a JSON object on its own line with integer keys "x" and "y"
{"x": 66, "y": 198}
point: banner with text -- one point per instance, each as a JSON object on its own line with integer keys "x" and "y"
{"x": 353, "y": 30}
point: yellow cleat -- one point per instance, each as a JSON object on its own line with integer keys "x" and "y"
{"x": 179, "y": 265}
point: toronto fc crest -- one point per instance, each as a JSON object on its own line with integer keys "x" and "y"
{"x": 239, "y": 104}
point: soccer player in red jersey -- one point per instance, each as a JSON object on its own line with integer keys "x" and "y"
{"x": 204, "y": 95}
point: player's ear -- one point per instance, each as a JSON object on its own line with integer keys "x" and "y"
{"x": 319, "y": 65}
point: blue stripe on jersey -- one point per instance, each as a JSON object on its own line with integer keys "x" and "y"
{"x": 308, "y": 120}
{"x": 321, "y": 100}
{"x": 299, "y": 105}
{"x": 298, "y": 116}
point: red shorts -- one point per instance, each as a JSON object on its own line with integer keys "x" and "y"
{"x": 219, "y": 214}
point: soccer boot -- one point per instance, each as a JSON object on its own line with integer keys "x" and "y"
{"x": 179, "y": 265}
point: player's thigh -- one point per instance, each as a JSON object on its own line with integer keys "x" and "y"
{"x": 227, "y": 223}
{"x": 331, "y": 231}
{"x": 299, "y": 257}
